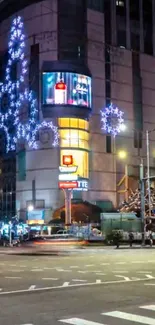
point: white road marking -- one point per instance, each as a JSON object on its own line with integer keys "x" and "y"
{"x": 15, "y": 271}
{"x": 22, "y": 266}
{"x": 32, "y": 287}
{"x": 74, "y": 267}
{"x": 151, "y": 261}
{"x": 37, "y": 270}
{"x": 73, "y": 286}
{"x": 131, "y": 317}
{"x": 138, "y": 262}
{"x": 79, "y": 321}
{"x": 13, "y": 264}
{"x": 49, "y": 268}
{"x": 119, "y": 271}
{"x": 65, "y": 284}
{"x": 105, "y": 263}
{"x": 98, "y": 281}
{"x": 149, "y": 284}
{"x": 89, "y": 265}
{"x": 149, "y": 276}
{"x": 150, "y": 307}
{"x": 13, "y": 277}
{"x": 100, "y": 273}
{"x": 83, "y": 272}
{"x": 120, "y": 263}
{"x": 144, "y": 272}
{"x": 62, "y": 270}
{"x": 79, "y": 280}
{"x": 50, "y": 279}
{"x": 124, "y": 277}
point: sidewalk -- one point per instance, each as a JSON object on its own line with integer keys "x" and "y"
{"x": 62, "y": 252}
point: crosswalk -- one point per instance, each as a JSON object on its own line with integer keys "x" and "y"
{"x": 130, "y": 318}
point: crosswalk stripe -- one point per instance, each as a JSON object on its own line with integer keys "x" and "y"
{"x": 79, "y": 321}
{"x": 131, "y": 317}
{"x": 150, "y": 307}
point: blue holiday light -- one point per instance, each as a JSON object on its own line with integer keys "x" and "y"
{"x": 112, "y": 120}
{"x": 19, "y": 98}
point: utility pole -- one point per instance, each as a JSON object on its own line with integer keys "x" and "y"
{"x": 142, "y": 202}
{"x": 68, "y": 198}
{"x": 148, "y": 171}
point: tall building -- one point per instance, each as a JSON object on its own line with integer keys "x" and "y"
{"x": 82, "y": 55}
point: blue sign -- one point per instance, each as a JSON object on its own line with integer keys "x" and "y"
{"x": 35, "y": 215}
{"x": 66, "y": 88}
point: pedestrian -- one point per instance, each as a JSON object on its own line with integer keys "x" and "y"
{"x": 131, "y": 238}
{"x": 151, "y": 239}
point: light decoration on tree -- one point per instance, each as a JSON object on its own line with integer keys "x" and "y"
{"x": 134, "y": 202}
{"x": 15, "y": 97}
{"x": 112, "y": 120}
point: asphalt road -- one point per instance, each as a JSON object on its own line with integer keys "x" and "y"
{"x": 90, "y": 288}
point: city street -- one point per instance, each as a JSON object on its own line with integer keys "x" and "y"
{"x": 89, "y": 288}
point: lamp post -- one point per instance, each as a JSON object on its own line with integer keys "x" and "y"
{"x": 148, "y": 169}
{"x": 122, "y": 154}
{"x": 142, "y": 190}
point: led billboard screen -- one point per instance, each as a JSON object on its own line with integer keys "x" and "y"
{"x": 66, "y": 88}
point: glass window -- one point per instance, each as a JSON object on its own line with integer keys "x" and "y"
{"x": 121, "y": 23}
{"x": 135, "y": 24}
{"x": 74, "y": 138}
{"x": 97, "y": 5}
{"x": 81, "y": 124}
{"x": 22, "y": 165}
{"x": 80, "y": 159}
{"x": 63, "y": 122}
{"x": 148, "y": 27}
{"x": 72, "y": 29}
{"x": 108, "y": 144}
{"x": 73, "y": 123}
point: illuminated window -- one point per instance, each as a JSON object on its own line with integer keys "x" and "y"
{"x": 119, "y": 3}
{"x": 80, "y": 159}
{"x": 74, "y": 138}
{"x": 63, "y": 122}
{"x": 73, "y": 123}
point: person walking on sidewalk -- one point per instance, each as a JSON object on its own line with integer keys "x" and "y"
{"x": 131, "y": 238}
{"x": 151, "y": 239}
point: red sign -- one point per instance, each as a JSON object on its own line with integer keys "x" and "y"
{"x": 60, "y": 85}
{"x": 68, "y": 184}
{"x": 67, "y": 160}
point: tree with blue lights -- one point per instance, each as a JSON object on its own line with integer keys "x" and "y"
{"x": 18, "y": 99}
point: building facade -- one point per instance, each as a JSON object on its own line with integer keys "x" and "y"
{"x": 82, "y": 55}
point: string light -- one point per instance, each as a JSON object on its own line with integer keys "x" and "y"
{"x": 18, "y": 97}
{"x": 112, "y": 120}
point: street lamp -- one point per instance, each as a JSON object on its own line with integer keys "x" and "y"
{"x": 123, "y": 127}
{"x": 122, "y": 154}
{"x": 30, "y": 208}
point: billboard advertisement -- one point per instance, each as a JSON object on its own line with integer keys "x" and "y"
{"x": 66, "y": 88}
